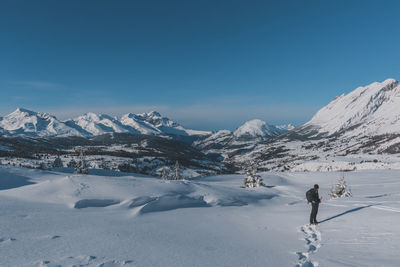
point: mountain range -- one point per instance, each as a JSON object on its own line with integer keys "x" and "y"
{"x": 360, "y": 127}
{"x": 30, "y": 123}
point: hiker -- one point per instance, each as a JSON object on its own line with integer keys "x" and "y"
{"x": 313, "y": 198}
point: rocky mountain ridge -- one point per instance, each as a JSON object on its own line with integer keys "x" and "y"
{"x": 357, "y": 130}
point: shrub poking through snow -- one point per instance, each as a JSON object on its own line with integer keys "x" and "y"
{"x": 72, "y": 164}
{"x": 81, "y": 166}
{"x": 252, "y": 179}
{"x": 340, "y": 189}
{"x": 57, "y": 163}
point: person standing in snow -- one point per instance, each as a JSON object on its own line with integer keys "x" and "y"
{"x": 313, "y": 197}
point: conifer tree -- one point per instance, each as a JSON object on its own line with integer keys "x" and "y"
{"x": 164, "y": 173}
{"x": 177, "y": 173}
{"x": 81, "y": 166}
{"x": 72, "y": 164}
{"x": 252, "y": 179}
{"x": 340, "y": 189}
{"x": 58, "y": 163}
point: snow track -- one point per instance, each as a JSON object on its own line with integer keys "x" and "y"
{"x": 312, "y": 237}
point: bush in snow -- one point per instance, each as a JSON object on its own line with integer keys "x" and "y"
{"x": 104, "y": 165}
{"x": 72, "y": 164}
{"x": 340, "y": 189}
{"x": 252, "y": 179}
{"x": 126, "y": 167}
{"x": 58, "y": 163}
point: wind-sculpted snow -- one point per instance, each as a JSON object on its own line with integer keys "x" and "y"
{"x": 10, "y": 180}
{"x": 95, "y": 191}
{"x": 95, "y": 203}
{"x": 88, "y": 220}
{"x": 165, "y": 203}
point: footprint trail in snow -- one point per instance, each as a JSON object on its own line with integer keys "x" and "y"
{"x": 312, "y": 237}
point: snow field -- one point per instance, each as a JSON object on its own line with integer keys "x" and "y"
{"x": 58, "y": 219}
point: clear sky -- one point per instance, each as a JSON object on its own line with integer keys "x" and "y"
{"x": 206, "y": 64}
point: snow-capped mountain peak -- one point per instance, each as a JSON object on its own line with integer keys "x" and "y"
{"x": 24, "y": 121}
{"x": 256, "y": 129}
{"x": 138, "y": 122}
{"x": 154, "y": 123}
{"x": 372, "y": 109}
{"x": 156, "y": 119}
{"x": 101, "y": 124}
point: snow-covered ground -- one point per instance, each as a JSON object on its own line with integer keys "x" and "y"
{"x": 58, "y": 219}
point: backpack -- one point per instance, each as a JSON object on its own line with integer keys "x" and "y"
{"x": 309, "y": 194}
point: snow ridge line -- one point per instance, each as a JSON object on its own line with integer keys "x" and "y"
{"x": 312, "y": 237}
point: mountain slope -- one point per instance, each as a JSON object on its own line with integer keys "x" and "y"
{"x": 101, "y": 124}
{"x": 243, "y": 139}
{"x": 139, "y": 123}
{"x": 359, "y": 130}
{"x": 154, "y": 123}
{"x": 26, "y": 122}
{"x": 256, "y": 129}
{"x": 372, "y": 110}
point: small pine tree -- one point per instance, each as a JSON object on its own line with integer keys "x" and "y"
{"x": 104, "y": 165}
{"x": 340, "y": 189}
{"x": 72, "y": 164}
{"x": 164, "y": 173}
{"x": 57, "y": 163}
{"x": 177, "y": 172}
{"x": 252, "y": 179}
{"x": 81, "y": 166}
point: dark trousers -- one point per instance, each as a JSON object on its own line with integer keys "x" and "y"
{"x": 314, "y": 211}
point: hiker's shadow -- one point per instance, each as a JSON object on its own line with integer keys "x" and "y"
{"x": 346, "y": 212}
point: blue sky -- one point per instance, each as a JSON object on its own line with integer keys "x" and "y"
{"x": 206, "y": 64}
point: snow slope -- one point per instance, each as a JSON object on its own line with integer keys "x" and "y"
{"x": 369, "y": 110}
{"x": 154, "y": 123}
{"x": 256, "y": 129}
{"x": 56, "y": 219}
{"x": 358, "y": 130}
{"x": 101, "y": 124}
{"x": 139, "y": 124}
{"x": 26, "y": 122}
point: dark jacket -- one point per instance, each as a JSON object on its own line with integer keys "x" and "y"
{"x": 315, "y": 197}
